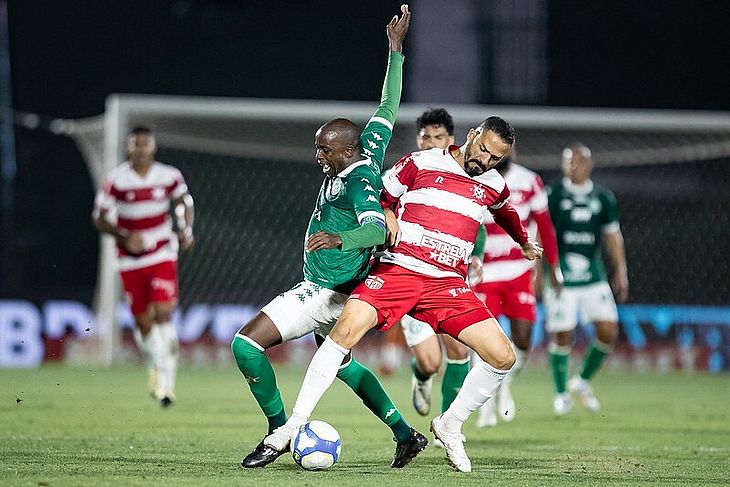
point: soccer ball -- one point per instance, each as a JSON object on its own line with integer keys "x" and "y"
{"x": 316, "y": 446}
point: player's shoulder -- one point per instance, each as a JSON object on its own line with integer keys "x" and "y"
{"x": 493, "y": 179}
{"x": 120, "y": 171}
{"x": 364, "y": 169}
{"x": 602, "y": 191}
{"x": 165, "y": 168}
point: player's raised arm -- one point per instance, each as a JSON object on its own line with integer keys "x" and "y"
{"x": 379, "y": 129}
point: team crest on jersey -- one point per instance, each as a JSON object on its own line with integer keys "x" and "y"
{"x": 478, "y": 192}
{"x": 374, "y": 282}
{"x": 158, "y": 193}
{"x": 334, "y": 189}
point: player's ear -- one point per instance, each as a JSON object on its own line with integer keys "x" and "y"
{"x": 349, "y": 151}
{"x": 471, "y": 134}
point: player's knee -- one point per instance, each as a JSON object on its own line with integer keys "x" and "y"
{"x": 503, "y": 358}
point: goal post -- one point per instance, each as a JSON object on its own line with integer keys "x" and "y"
{"x": 222, "y": 145}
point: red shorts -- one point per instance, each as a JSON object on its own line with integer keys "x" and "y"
{"x": 445, "y": 303}
{"x": 515, "y": 299}
{"x": 153, "y": 284}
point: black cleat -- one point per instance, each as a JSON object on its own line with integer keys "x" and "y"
{"x": 261, "y": 456}
{"x": 166, "y": 402}
{"x": 406, "y": 450}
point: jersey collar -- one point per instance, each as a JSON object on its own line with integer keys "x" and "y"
{"x": 352, "y": 167}
{"x": 579, "y": 189}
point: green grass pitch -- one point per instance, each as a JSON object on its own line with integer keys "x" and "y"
{"x": 77, "y": 426}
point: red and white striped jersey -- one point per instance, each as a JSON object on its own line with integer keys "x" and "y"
{"x": 142, "y": 204}
{"x": 503, "y": 260}
{"x": 440, "y": 209}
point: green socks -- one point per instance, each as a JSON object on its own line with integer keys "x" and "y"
{"x": 559, "y": 363}
{"x": 594, "y": 358}
{"x": 454, "y": 376}
{"x": 366, "y": 385}
{"x": 256, "y": 368}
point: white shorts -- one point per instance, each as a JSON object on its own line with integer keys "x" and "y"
{"x": 593, "y": 302}
{"x": 415, "y": 331}
{"x": 305, "y": 308}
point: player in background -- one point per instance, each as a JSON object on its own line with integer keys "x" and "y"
{"x": 346, "y": 225}
{"x": 585, "y": 217}
{"x": 442, "y": 197}
{"x": 507, "y": 281}
{"x": 435, "y": 129}
{"x": 133, "y": 205}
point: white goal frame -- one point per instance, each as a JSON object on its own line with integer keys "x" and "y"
{"x": 120, "y": 108}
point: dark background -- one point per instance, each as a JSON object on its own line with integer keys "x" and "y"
{"x": 68, "y": 56}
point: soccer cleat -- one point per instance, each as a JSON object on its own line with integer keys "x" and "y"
{"x": 453, "y": 444}
{"x": 488, "y": 414}
{"x": 280, "y": 438}
{"x": 562, "y": 404}
{"x": 505, "y": 403}
{"x": 582, "y": 388}
{"x": 167, "y": 401}
{"x": 406, "y": 450}
{"x": 262, "y": 455}
{"x": 438, "y": 444}
{"x": 422, "y": 395}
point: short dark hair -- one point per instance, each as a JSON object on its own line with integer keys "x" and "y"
{"x": 500, "y": 127}
{"x": 141, "y": 129}
{"x": 436, "y": 116}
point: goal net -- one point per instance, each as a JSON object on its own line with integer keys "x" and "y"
{"x": 250, "y": 167}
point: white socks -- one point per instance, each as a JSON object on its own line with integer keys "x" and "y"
{"x": 167, "y": 358}
{"x": 161, "y": 350}
{"x": 479, "y": 385}
{"x": 319, "y": 377}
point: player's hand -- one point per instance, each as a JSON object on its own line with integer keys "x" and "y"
{"x": 620, "y": 286}
{"x": 323, "y": 240}
{"x": 475, "y": 270}
{"x": 134, "y": 243}
{"x": 392, "y": 229}
{"x": 531, "y": 250}
{"x": 556, "y": 278}
{"x": 397, "y": 29}
{"x": 186, "y": 238}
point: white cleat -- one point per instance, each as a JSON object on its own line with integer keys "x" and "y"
{"x": 280, "y": 438}
{"x": 453, "y": 444}
{"x": 488, "y": 414}
{"x": 505, "y": 403}
{"x": 562, "y": 404}
{"x": 438, "y": 444}
{"x": 582, "y": 388}
{"x": 422, "y": 395}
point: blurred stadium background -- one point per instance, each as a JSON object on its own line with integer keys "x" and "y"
{"x": 236, "y": 90}
{"x": 661, "y": 141}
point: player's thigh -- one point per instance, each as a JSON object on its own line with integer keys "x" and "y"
{"x": 136, "y": 283}
{"x": 561, "y": 310}
{"x": 488, "y": 340}
{"x": 597, "y": 303}
{"x": 455, "y": 350}
{"x": 304, "y": 308}
{"x": 163, "y": 289}
{"x": 356, "y": 319}
{"x": 519, "y": 298}
{"x": 415, "y": 331}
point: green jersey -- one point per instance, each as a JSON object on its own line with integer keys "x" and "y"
{"x": 352, "y": 198}
{"x": 581, "y": 215}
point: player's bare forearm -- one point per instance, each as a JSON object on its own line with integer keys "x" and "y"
{"x": 185, "y": 216}
{"x": 322, "y": 241}
{"x": 614, "y": 242}
{"x": 105, "y": 226}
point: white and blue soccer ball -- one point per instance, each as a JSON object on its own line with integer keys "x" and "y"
{"x": 316, "y": 446}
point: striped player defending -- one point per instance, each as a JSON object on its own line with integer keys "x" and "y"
{"x": 346, "y": 225}
{"x": 133, "y": 205}
{"x": 441, "y": 199}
